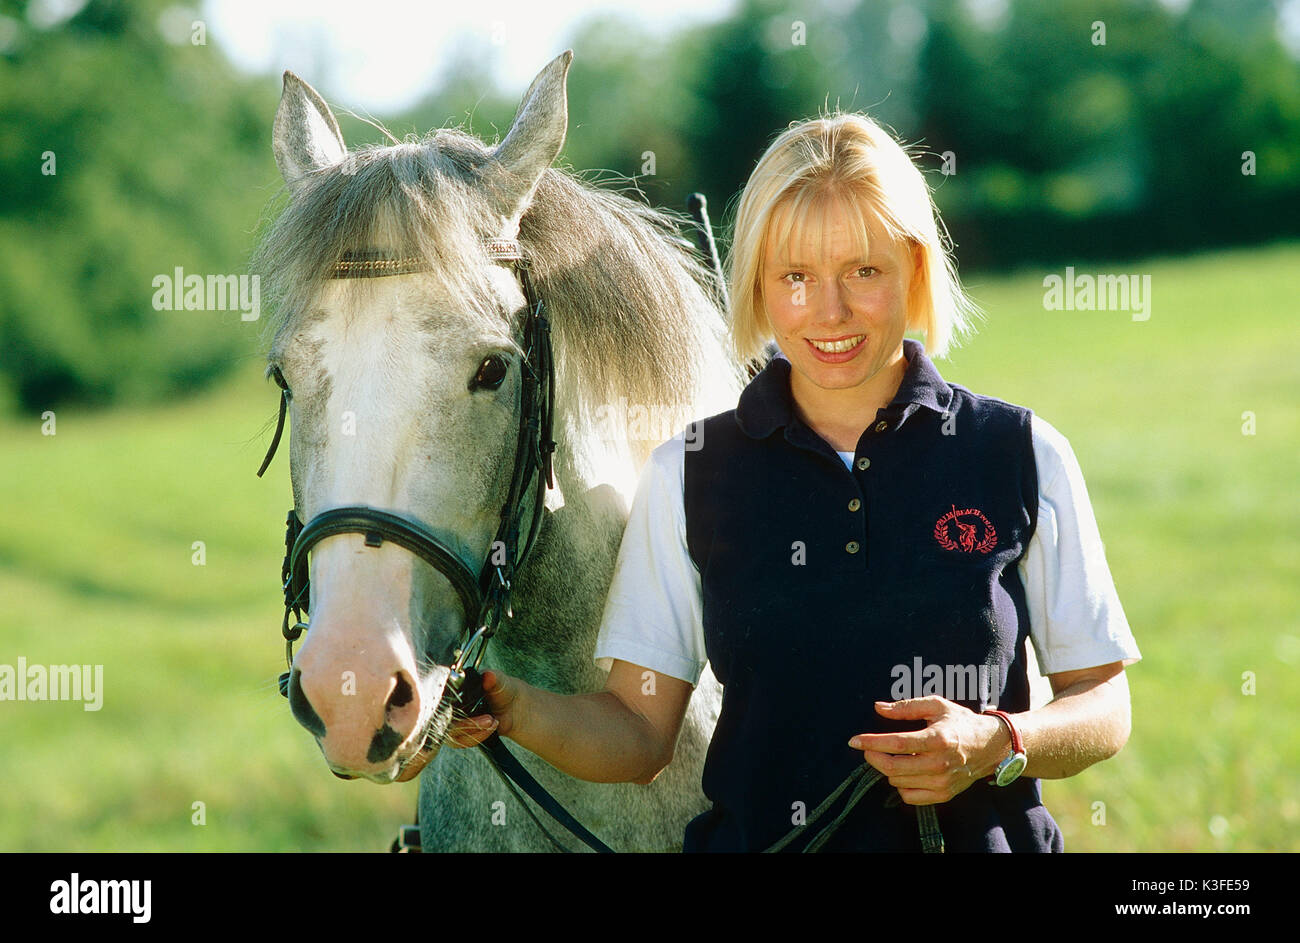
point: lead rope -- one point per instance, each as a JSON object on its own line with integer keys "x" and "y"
{"x": 862, "y": 779}
{"x": 931, "y": 838}
{"x": 408, "y": 836}
{"x": 508, "y": 767}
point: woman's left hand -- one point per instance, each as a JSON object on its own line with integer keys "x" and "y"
{"x": 957, "y": 747}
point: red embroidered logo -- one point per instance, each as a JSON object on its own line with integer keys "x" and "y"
{"x": 965, "y": 526}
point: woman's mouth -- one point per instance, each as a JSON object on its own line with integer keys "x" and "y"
{"x": 836, "y": 349}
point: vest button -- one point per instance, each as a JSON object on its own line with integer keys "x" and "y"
{"x": 854, "y": 504}
{"x": 864, "y": 464}
{"x": 882, "y": 426}
{"x": 851, "y": 546}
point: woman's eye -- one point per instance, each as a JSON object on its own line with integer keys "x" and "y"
{"x": 793, "y": 277}
{"x": 491, "y": 372}
{"x": 867, "y": 271}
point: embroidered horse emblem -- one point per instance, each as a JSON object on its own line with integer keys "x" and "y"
{"x": 965, "y": 525}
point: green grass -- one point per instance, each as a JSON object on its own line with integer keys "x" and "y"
{"x": 1200, "y": 523}
{"x": 1202, "y": 532}
{"x": 96, "y": 567}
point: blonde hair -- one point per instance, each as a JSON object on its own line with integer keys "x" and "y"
{"x": 844, "y": 156}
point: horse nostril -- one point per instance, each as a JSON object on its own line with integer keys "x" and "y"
{"x": 301, "y": 708}
{"x": 402, "y": 693}
{"x": 387, "y": 740}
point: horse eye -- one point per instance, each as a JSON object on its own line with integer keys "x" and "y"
{"x": 491, "y": 373}
{"x": 278, "y": 377}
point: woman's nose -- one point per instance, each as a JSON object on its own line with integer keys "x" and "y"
{"x": 833, "y": 304}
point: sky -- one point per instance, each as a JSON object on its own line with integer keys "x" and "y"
{"x": 385, "y": 54}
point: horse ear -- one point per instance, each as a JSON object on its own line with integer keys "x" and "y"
{"x": 306, "y": 136}
{"x": 535, "y": 138}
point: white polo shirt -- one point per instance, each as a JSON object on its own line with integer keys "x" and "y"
{"x": 653, "y": 614}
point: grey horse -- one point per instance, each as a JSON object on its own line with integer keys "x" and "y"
{"x": 386, "y": 413}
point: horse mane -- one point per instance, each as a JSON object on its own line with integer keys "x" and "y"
{"x": 631, "y": 305}
{"x": 632, "y": 312}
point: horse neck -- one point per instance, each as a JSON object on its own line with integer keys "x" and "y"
{"x": 560, "y": 590}
{"x": 601, "y": 450}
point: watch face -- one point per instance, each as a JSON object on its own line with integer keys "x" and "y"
{"x": 1011, "y": 769}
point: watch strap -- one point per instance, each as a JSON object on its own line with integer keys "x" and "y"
{"x": 1017, "y": 759}
{"x": 1017, "y": 744}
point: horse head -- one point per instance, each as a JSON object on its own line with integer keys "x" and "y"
{"x": 414, "y": 363}
{"x": 399, "y": 347}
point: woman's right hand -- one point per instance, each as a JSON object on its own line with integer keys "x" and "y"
{"x": 501, "y": 693}
{"x": 623, "y": 733}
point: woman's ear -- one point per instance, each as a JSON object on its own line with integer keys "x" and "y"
{"x": 917, "y": 287}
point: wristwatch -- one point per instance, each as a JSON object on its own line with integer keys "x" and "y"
{"x": 1009, "y": 769}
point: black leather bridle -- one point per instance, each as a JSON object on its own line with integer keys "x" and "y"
{"x": 485, "y": 595}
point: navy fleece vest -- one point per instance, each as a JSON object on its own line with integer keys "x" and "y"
{"x": 826, "y": 589}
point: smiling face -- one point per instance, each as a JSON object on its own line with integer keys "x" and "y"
{"x": 838, "y": 309}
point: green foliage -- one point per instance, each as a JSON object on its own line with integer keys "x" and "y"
{"x": 1066, "y": 149}
{"x": 96, "y": 567}
{"x": 1072, "y": 148}
{"x": 161, "y": 159}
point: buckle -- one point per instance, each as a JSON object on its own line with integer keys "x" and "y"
{"x": 407, "y": 840}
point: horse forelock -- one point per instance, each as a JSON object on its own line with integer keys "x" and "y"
{"x": 414, "y": 199}
{"x": 632, "y": 321}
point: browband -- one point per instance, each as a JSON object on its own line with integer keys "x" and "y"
{"x": 376, "y": 263}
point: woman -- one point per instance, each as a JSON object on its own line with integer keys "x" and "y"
{"x": 860, "y": 551}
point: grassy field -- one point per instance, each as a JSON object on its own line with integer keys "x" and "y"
{"x": 1201, "y": 523}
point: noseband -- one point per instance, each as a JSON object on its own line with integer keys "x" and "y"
{"x": 485, "y": 594}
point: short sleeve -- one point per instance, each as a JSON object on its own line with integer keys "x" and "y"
{"x": 1075, "y": 617}
{"x": 653, "y": 613}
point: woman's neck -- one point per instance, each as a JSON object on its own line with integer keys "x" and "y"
{"x": 841, "y": 416}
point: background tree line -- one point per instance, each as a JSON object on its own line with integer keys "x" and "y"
{"x": 1180, "y": 131}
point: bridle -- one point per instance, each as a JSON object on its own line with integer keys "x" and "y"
{"x": 485, "y": 594}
